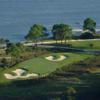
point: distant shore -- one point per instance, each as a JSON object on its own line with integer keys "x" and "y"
{"x": 19, "y": 38}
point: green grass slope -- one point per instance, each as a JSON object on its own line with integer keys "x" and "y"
{"x": 42, "y": 66}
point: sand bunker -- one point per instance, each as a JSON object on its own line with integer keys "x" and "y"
{"x": 20, "y": 73}
{"x": 51, "y": 58}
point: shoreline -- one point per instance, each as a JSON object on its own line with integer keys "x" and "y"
{"x": 19, "y": 38}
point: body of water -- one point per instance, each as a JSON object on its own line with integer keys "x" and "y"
{"x": 17, "y": 16}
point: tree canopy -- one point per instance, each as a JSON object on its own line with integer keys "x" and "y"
{"x": 61, "y": 32}
{"x": 87, "y": 35}
{"x": 89, "y": 24}
{"x": 35, "y": 32}
{"x": 15, "y": 50}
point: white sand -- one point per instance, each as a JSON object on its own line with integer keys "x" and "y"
{"x": 9, "y": 76}
{"x": 19, "y": 73}
{"x": 51, "y": 58}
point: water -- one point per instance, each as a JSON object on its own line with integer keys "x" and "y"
{"x": 17, "y": 16}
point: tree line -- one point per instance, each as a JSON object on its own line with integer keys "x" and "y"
{"x": 62, "y": 31}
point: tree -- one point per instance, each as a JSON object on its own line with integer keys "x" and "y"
{"x": 89, "y": 24}
{"x": 21, "y": 47}
{"x": 44, "y": 36}
{"x": 66, "y": 31}
{"x": 61, "y": 32}
{"x": 87, "y": 35}
{"x": 4, "y": 62}
{"x": 71, "y": 93}
{"x": 56, "y": 32}
{"x": 35, "y": 33}
{"x": 13, "y": 49}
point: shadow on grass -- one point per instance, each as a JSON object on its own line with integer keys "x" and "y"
{"x": 25, "y": 87}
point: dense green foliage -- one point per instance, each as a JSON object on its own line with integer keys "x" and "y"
{"x": 35, "y": 32}
{"x": 15, "y": 49}
{"x": 89, "y": 24}
{"x": 4, "y": 63}
{"x": 61, "y": 32}
{"x": 87, "y": 35}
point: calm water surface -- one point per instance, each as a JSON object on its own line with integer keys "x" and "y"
{"x": 16, "y": 16}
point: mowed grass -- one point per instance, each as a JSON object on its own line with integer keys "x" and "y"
{"x": 86, "y": 44}
{"x": 42, "y": 66}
